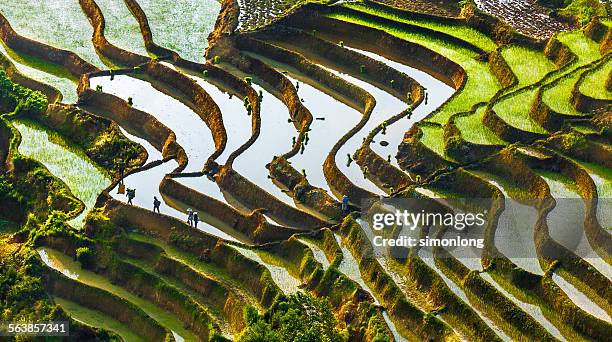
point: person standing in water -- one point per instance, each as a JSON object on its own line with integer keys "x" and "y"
{"x": 156, "y": 204}
{"x": 196, "y": 219}
{"x": 189, "y": 216}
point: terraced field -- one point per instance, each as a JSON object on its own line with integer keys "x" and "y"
{"x": 287, "y": 126}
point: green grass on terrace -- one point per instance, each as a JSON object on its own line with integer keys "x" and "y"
{"x": 433, "y": 138}
{"x": 195, "y": 18}
{"x": 594, "y": 84}
{"x": 514, "y": 110}
{"x": 474, "y": 131}
{"x": 68, "y": 163}
{"x": 462, "y": 32}
{"x": 59, "y": 23}
{"x": 527, "y": 64}
{"x": 558, "y": 97}
{"x": 481, "y": 84}
{"x": 585, "y": 48}
{"x": 122, "y": 28}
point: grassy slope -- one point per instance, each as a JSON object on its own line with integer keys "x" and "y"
{"x": 514, "y": 110}
{"x": 480, "y": 86}
{"x": 527, "y": 64}
{"x": 473, "y": 130}
{"x": 462, "y": 32}
{"x": 195, "y": 18}
{"x": 594, "y": 83}
{"x": 433, "y": 138}
{"x": 71, "y": 165}
{"x": 558, "y": 97}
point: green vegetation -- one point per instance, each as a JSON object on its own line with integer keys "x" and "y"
{"x": 481, "y": 84}
{"x": 70, "y": 27}
{"x": 581, "y": 10}
{"x": 586, "y": 49}
{"x": 121, "y": 29}
{"x": 96, "y": 319}
{"x": 300, "y": 317}
{"x": 558, "y": 98}
{"x": 462, "y": 32}
{"x": 68, "y": 163}
{"x": 433, "y": 138}
{"x": 70, "y": 268}
{"x": 474, "y": 131}
{"x": 195, "y": 18}
{"x": 20, "y": 99}
{"x": 593, "y": 84}
{"x": 514, "y": 110}
{"x": 527, "y": 64}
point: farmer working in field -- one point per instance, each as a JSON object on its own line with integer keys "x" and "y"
{"x": 196, "y": 219}
{"x": 189, "y": 216}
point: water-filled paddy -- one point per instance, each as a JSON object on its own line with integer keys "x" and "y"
{"x": 59, "y": 23}
{"x": 182, "y": 25}
{"x": 68, "y": 163}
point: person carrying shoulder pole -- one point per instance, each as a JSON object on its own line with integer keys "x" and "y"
{"x": 156, "y": 204}
{"x": 131, "y": 194}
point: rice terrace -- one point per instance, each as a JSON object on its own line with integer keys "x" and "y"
{"x": 305, "y": 170}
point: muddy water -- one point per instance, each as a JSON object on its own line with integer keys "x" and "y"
{"x": 276, "y": 135}
{"x": 317, "y": 252}
{"x": 514, "y": 235}
{"x": 566, "y": 222}
{"x": 438, "y": 93}
{"x": 338, "y": 118}
{"x": 68, "y": 163}
{"x": 64, "y": 264}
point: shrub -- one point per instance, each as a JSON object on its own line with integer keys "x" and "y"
{"x": 86, "y": 257}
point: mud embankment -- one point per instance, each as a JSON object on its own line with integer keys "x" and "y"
{"x": 253, "y": 225}
{"x": 255, "y": 277}
{"x": 136, "y": 122}
{"x": 253, "y": 197}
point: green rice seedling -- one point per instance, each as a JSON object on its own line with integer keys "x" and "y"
{"x": 32, "y": 19}
{"x": 558, "y": 97}
{"x": 433, "y": 138}
{"x": 122, "y": 28}
{"x": 586, "y": 49}
{"x": 514, "y": 110}
{"x": 527, "y": 64}
{"x": 96, "y": 319}
{"x": 195, "y": 18}
{"x": 66, "y": 265}
{"x": 594, "y": 84}
{"x": 474, "y": 131}
{"x": 68, "y": 163}
{"x": 481, "y": 84}
{"x": 462, "y": 32}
